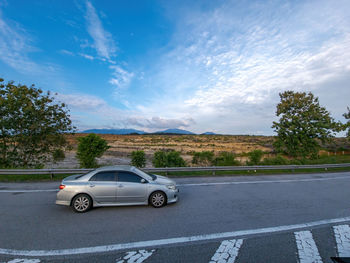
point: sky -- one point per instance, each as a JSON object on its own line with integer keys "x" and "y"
{"x": 202, "y": 66}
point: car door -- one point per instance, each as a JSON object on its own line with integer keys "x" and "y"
{"x": 103, "y": 186}
{"x": 130, "y": 188}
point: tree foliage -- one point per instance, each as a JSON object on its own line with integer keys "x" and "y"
{"x": 302, "y": 124}
{"x": 168, "y": 159}
{"x": 138, "y": 159}
{"x": 347, "y": 125}
{"x": 89, "y": 148}
{"x": 204, "y": 158}
{"x": 32, "y": 125}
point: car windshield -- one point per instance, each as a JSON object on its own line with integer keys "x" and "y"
{"x": 145, "y": 174}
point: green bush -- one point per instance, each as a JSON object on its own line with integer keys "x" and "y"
{"x": 278, "y": 160}
{"x": 89, "y": 148}
{"x": 255, "y": 157}
{"x": 204, "y": 158}
{"x": 225, "y": 159}
{"x": 138, "y": 159}
{"x": 168, "y": 159}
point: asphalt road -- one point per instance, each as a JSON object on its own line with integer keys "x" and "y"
{"x": 208, "y": 220}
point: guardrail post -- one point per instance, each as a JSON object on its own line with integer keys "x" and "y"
{"x": 213, "y": 172}
{"x": 51, "y": 174}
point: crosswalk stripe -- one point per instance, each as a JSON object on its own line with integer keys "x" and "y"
{"x": 135, "y": 256}
{"x": 342, "y": 237}
{"x": 307, "y": 249}
{"x": 227, "y": 251}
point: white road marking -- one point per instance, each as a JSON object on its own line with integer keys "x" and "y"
{"x": 168, "y": 241}
{"x": 24, "y": 260}
{"x": 28, "y": 191}
{"x": 136, "y": 256}
{"x": 307, "y": 249}
{"x": 268, "y": 181}
{"x": 342, "y": 237}
{"x": 205, "y": 184}
{"x": 227, "y": 251}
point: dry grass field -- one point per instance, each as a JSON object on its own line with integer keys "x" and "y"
{"x": 123, "y": 145}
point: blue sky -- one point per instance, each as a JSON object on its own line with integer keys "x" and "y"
{"x": 197, "y": 65}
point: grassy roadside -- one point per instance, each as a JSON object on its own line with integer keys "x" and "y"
{"x": 46, "y": 177}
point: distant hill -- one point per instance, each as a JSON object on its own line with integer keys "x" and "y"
{"x": 174, "y": 131}
{"x": 208, "y": 133}
{"x": 114, "y": 131}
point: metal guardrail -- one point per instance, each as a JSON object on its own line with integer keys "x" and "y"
{"x": 212, "y": 169}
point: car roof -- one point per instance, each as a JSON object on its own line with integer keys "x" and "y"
{"x": 116, "y": 167}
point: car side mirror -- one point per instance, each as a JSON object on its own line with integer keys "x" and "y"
{"x": 143, "y": 181}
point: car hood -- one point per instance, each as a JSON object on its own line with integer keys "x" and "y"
{"x": 164, "y": 180}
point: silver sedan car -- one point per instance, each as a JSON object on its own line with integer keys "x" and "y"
{"x": 116, "y": 186}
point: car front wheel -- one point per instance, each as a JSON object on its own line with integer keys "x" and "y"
{"x": 158, "y": 199}
{"x": 81, "y": 203}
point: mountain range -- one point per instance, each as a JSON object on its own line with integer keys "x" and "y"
{"x": 134, "y": 131}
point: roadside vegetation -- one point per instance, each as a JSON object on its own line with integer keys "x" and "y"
{"x": 36, "y": 129}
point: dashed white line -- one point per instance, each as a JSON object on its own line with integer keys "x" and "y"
{"x": 342, "y": 237}
{"x": 307, "y": 249}
{"x": 136, "y": 256}
{"x": 227, "y": 251}
{"x": 169, "y": 241}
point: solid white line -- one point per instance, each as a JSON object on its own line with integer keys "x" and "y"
{"x": 28, "y": 191}
{"x": 307, "y": 249}
{"x": 24, "y": 260}
{"x": 136, "y": 256}
{"x": 268, "y": 182}
{"x": 342, "y": 237}
{"x": 227, "y": 251}
{"x": 169, "y": 241}
{"x": 204, "y": 184}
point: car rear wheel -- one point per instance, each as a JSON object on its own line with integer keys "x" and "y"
{"x": 158, "y": 199}
{"x": 81, "y": 203}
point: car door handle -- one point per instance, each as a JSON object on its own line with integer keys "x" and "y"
{"x": 92, "y": 185}
{"x": 120, "y": 185}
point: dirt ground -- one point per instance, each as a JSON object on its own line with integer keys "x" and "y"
{"x": 123, "y": 145}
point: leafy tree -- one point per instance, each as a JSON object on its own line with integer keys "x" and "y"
{"x": 32, "y": 125}
{"x": 255, "y": 157}
{"x": 89, "y": 148}
{"x": 204, "y": 158}
{"x": 347, "y": 125}
{"x": 225, "y": 159}
{"x": 138, "y": 159}
{"x": 302, "y": 124}
{"x": 168, "y": 159}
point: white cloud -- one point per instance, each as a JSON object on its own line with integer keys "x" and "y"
{"x": 155, "y": 123}
{"x": 229, "y": 63}
{"x": 89, "y": 57}
{"x": 15, "y": 46}
{"x": 103, "y": 41}
{"x": 121, "y": 78}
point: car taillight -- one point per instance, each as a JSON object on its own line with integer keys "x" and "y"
{"x": 62, "y": 186}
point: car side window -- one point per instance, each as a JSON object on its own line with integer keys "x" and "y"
{"x": 104, "y": 176}
{"x": 128, "y": 177}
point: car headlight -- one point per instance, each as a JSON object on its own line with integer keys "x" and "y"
{"x": 171, "y": 187}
